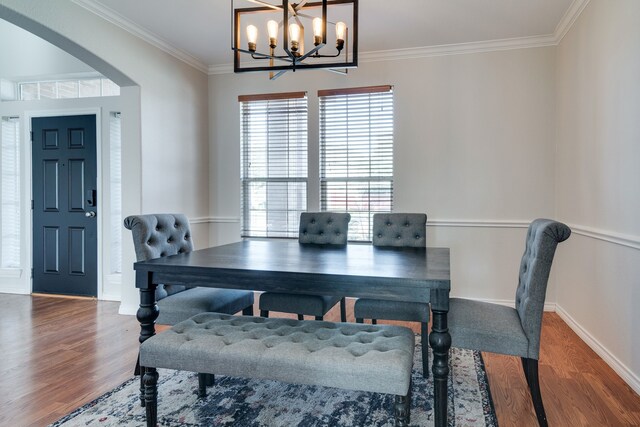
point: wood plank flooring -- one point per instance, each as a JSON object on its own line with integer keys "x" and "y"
{"x": 58, "y": 354}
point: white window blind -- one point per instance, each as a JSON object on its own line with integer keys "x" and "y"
{"x": 356, "y": 154}
{"x": 274, "y": 163}
{"x": 10, "y": 192}
{"x": 60, "y": 89}
{"x": 115, "y": 193}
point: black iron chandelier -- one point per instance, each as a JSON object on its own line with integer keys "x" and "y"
{"x": 257, "y": 45}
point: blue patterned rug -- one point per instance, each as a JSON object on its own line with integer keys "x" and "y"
{"x": 259, "y": 403}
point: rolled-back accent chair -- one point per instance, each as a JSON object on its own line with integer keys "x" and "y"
{"x": 160, "y": 235}
{"x": 403, "y": 230}
{"x": 317, "y": 228}
{"x": 514, "y": 331}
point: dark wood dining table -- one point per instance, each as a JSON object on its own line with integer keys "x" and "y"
{"x": 354, "y": 270}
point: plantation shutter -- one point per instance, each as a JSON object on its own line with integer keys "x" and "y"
{"x": 274, "y": 163}
{"x": 356, "y": 154}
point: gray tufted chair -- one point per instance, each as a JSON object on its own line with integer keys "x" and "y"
{"x": 403, "y": 230}
{"x": 160, "y": 235}
{"x": 514, "y": 331}
{"x": 317, "y": 228}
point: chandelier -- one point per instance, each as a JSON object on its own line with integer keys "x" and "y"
{"x": 270, "y": 36}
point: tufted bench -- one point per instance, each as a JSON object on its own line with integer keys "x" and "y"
{"x": 374, "y": 358}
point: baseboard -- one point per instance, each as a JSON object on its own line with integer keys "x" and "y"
{"x": 620, "y": 368}
{"x": 128, "y": 309}
{"x": 548, "y": 306}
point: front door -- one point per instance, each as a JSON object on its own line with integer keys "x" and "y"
{"x": 65, "y": 241}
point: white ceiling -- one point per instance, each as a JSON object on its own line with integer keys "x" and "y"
{"x": 199, "y": 31}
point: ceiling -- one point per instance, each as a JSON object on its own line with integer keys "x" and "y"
{"x": 201, "y": 33}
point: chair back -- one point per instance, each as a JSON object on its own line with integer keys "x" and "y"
{"x": 543, "y": 236}
{"x": 160, "y": 235}
{"x": 324, "y": 228}
{"x": 400, "y": 229}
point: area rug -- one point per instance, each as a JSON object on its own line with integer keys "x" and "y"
{"x": 259, "y": 403}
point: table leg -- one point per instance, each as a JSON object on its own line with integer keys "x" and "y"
{"x": 440, "y": 341}
{"x": 146, "y": 315}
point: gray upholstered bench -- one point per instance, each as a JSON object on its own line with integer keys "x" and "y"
{"x": 375, "y": 358}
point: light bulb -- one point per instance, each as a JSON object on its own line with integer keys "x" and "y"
{"x": 272, "y": 29}
{"x": 317, "y": 31}
{"x": 294, "y": 35}
{"x": 252, "y": 37}
{"x": 341, "y": 29}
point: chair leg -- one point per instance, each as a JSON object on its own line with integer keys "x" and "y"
{"x": 402, "y": 409}
{"x": 359, "y": 320}
{"x": 319, "y": 317}
{"x": 343, "y": 310}
{"x": 300, "y": 316}
{"x": 374, "y": 322}
{"x": 142, "y": 372}
{"x": 264, "y": 313}
{"x": 424, "y": 332}
{"x": 531, "y": 372}
{"x": 202, "y": 385}
{"x": 151, "y": 396}
{"x": 526, "y": 371}
{"x": 248, "y": 311}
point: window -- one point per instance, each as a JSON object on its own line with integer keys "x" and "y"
{"x": 82, "y": 88}
{"x": 274, "y": 163}
{"x": 356, "y": 154}
{"x": 10, "y": 192}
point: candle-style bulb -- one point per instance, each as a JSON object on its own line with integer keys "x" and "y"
{"x": 294, "y": 37}
{"x": 341, "y": 29}
{"x": 317, "y": 31}
{"x": 252, "y": 37}
{"x": 272, "y": 29}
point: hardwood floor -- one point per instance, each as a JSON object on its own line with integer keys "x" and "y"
{"x": 58, "y": 354}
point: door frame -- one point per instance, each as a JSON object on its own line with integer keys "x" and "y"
{"x": 28, "y": 185}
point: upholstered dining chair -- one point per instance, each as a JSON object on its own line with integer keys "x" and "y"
{"x": 514, "y": 331}
{"x": 316, "y": 228}
{"x": 403, "y": 230}
{"x": 160, "y": 235}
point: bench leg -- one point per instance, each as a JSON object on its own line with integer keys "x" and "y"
{"x": 202, "y": 385}
{"x": 343, "y": 310}
{"x": 319, "y": 318}
{"x": 359, "y": 320}
{"x": 264, "y": 313}
{"x": 151, "y": 396}
{"x": 300, "y": 316}
{"x": 402, "y": 409}
{"x": 248, "y": 311}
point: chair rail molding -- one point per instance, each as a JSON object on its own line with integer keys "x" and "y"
{"x": 215, "y": 220}
{"x": 621, "y": 239}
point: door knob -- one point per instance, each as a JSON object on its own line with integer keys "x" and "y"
{"x": 90, "y": 214}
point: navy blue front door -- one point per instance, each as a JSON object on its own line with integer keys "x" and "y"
{"x": 65, "y": 242}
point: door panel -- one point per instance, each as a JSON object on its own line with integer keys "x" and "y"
{"x": 64, "y": 182}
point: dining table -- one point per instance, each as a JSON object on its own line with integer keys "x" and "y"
{"x": 279, "y": 265}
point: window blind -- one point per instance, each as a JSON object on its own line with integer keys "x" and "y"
{"x": 356, "y": 154}
{"x": 274, "y": 163}
{"x": 10, "y": 192}
{"x": 115, "y": 191}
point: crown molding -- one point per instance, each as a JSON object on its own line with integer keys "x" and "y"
{"x": 457, "y": 49}
{"x": 129, "y": 26}
{"x": 570, "y": 16}
{"x": 563, "y": 27}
